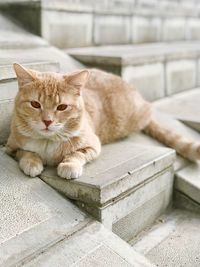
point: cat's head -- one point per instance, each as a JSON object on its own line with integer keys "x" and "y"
{"x": 49, "y": 105}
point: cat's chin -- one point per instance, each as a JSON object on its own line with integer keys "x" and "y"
{"x": 47, "y": 132}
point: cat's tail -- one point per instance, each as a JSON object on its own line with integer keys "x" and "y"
{"x": 187, "y": 148}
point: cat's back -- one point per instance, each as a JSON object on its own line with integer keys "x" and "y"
{"x": 104, "y": 82}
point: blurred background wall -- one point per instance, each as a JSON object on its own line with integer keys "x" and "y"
{"x": 80, "y": 23}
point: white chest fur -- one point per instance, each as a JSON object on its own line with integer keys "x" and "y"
{"x": 46, "y": 149}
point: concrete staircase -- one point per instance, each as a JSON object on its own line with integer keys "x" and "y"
{"x": 157, "y": 70}
{"x": 37, "y": 224}
{"x": 39, "y": 227}
{"x": 135, "y": 180}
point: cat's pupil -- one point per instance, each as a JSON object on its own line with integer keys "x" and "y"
{"x": 62, "y": 107}
{"x": 35, "y": 104}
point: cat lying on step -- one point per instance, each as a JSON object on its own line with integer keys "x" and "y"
{"x": 62, "y": 120}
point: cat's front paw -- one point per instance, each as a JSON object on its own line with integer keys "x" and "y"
{"x": 31, "y": 167}
{"x": 70, "y": 170}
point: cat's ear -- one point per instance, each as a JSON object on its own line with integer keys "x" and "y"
{"x": 77, "y": 79}
{"x": 24, "y": 76}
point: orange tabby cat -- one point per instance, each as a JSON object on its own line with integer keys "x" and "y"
{"x": 62, "y": 120}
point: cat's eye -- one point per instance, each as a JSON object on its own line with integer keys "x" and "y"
{"x": 62, "y": 107}
{"x": 35, "y": 104}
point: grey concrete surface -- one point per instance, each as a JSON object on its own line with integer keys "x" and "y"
{"x": 33, "y": 216}
{"x": 92, "y": 246}
{"x": 188, "y": 181}
{"x": 182, "y": 201}
{"x": 135, "y": 22}
{"x": 174, "y": 106}
{"x": 39, "y": 227}
{"x": 17, "y": 39}
{"x": 173, "y": 241}
{"x": 136, "y": 54}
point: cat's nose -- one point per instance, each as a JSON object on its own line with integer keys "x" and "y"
{"x": 47, "y": 123}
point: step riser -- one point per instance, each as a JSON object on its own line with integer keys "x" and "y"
{"x": 27, "y": 13}
{"x": 121, "y": 23}
{"x": 116, "y": 191}
{"x": 6, "y": 108}
{"x": 145, "y": 215}
{"x": 8, "y": 90}
{"x": 134, "y": 212}
{"x": 75, "y": 24}
{"x": 182, "y": 201}
{"x": 162, "y": 79}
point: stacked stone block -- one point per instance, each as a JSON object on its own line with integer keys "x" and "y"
{"x": 86, "y": 23}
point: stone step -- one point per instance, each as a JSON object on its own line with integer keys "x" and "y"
{"x": 118, "y": 22}
{"x": 92, "y": 246}
{"x": 38, "y": 225}
{"x": 157, "y": 70}
{"x": 122, "y": 184}
{"x": 66, "y": 23}
{"x": 26, "y": 13}
{"x": 174, "y": 106}
{"x": 33, "y": 216}
{"x": 173, "y": 240}
{"x": 187, "y": 187}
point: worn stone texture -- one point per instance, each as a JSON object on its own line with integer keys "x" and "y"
{"x": 92, "y": 246}
{"x": 111, "y": 30}
{"x": 124, "y": 55}
{"x": 8, "y": 25}
{"x": 193, "y": 29}
{"x": 188, "y": 181}
{"x": 136, "y": 199}
{"x": 6, "y": 107}
{"x": 181, "y": 246}
{"x": 182, "y": 201}
{"x": 173, "y": 29}
{"x": 180, "y": 75}
{"x": 146, "y": 29}
{"x": 148, "y": 79}
{"x": 143, "y": 216}
{"x": 198, "y": 72}
{"x": 110, "y": 187}
{"x": 33, "y": 215}
{"x": 8, "y": 90}
{"x": 173, "y": 240}
{"x": 38, "y": 224}
{"x": 59, "y": 28}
